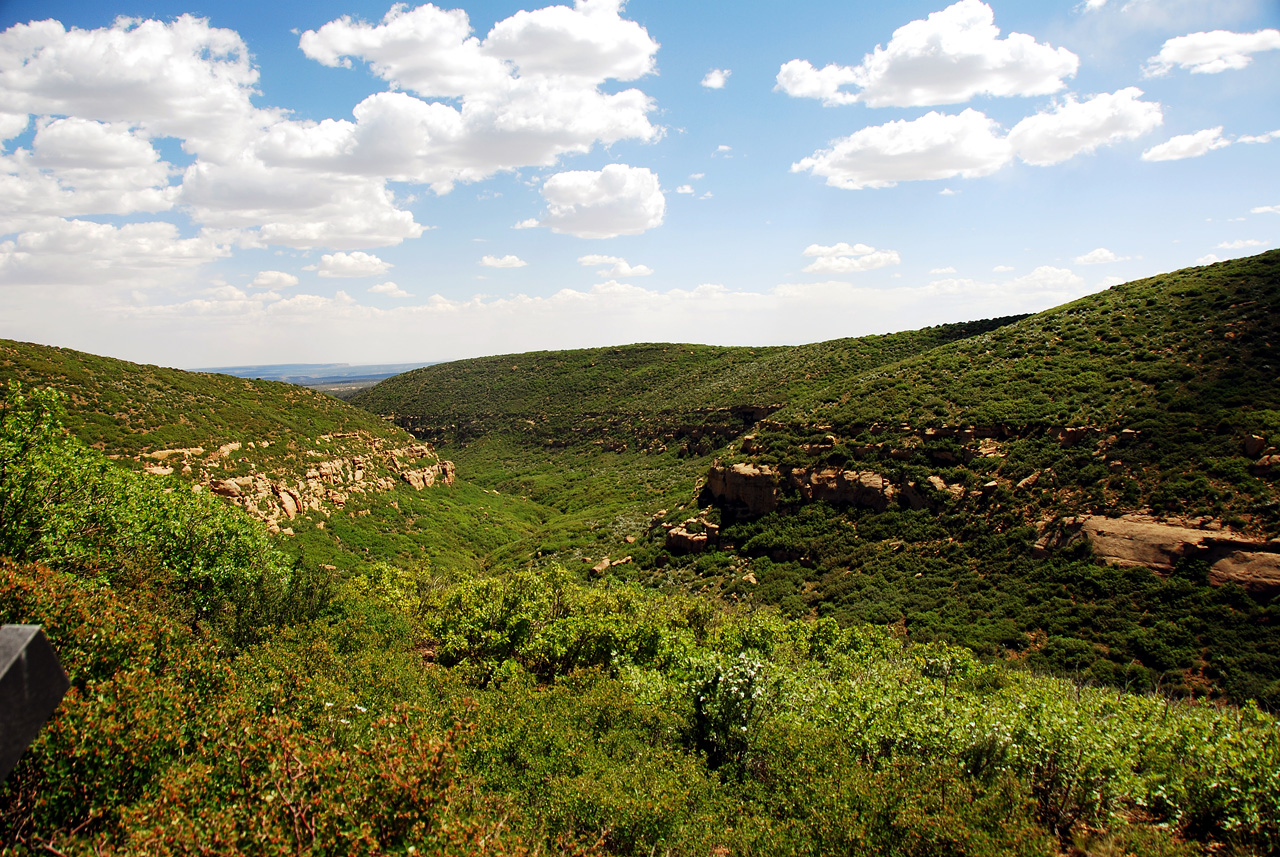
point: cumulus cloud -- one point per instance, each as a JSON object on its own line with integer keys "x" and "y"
{"x": 969, "y": 144}
{"x": 77, "y": 166}
{"x": 1207, "y": 260}
{"x": 1242, "y": 244}
{"x": 507, "y": 261}
{"x": 685, "y": 188}
{"x": 615, "y": 266}
{"x": 1187, "y": 146}
{"x": 273, "y": 280}
{"x": 461, "y": 109}
{"x": 716, "y": 78}
{"x": 529, "y": 92}
{"x": 948, "y": 58}
{"x": 391, "y": 290}
{"x": 181, "y": 79}
{"x": 617, "y": 200}
{"x": 1075, "y": 127}
{"x": 1002, "y": 269}
{"x": 13, "y": 124}
{"x": 1100, "y": 256}
{"x": 356, "y": 264}
{"x": 947, "y": 270}
{"x": 935, "y": 146}
{"x": 68, "y": 252}
{"x": 1265, "y": 209}
{"x": 1212, "y": 52}
{"x": 296, "y": 207}
{"x": 844, "y": 258}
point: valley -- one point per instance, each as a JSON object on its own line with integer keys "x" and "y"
{"x": 1025, "y": 569}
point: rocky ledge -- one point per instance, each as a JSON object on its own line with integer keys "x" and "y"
{"x": 1140, "y": 540}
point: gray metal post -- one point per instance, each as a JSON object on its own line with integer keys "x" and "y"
{"x": 31, "y": 686}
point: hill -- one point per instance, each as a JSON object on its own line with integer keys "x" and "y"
{"x": 564, "y": 649}
{"x": 962, "y": 481}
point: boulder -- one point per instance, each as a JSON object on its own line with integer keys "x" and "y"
{"x": 1254, "y": 444}
{"x": 680, "y": 540}
{"x": 225, "y": 488}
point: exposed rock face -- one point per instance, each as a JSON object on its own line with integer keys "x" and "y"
{"x": 748, "y": 490}
{"x": 273, "y": 497}
{"x": 1133, "y": 540}
{"x": 857, "y": 488}
{"x": 1257, "y": 572}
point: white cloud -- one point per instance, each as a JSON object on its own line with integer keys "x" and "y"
{"x": 843, "y": 258}
{"x": 1187, "y": 146}
{"x": 1075, "y": 127}
{"x": 617, "y": 200}
{"x": 1212, "y": 52}
{"x": 13, "y": 124}
{"x": 716, "y": 78}
{"x": 1259, "y": 138}
{"x": 391, "y": 290}
{"x": 76, "y": 166}
{"x": 356, "y": 264}
{"x": 947, "y": 270}
{"x": 527, "y": 223}
{"x": 947, "y": 58}
{"x": 616, "y": 266}
{"x": 68, "y": 252}
{"x": 935, "y": 146}
{"x": 1265, "y": 209}
{"x": 939, "y": 146}
{"x": 1207, "y": 260}
{"x": 685, "y": 188}
{"x": 273, "y": 280}
{"x": 1002, "y": 269}
{"x": 507, "y": 261}
{"x": 1100, "y": 256}
{"x": 1093, "y": 5}
{"x": 696, "y": 176}
{"x": 722, "y": 149}
{"x": 946, "y": 191}
{"x": 1242, "y": 244}
{"x": 296, "y": 207}
{"x": 530, "y": 92}
{"x": 182, "y": 78}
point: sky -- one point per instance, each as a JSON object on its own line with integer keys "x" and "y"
{"x": 222, "y": 183}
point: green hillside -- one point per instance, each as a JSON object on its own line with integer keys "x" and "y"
{"x": 128, "y": 408}
{"x": 863, "y": 596}
{"x": 224, "y": 701}
{"x": 636, "y": 392}
{"x": 1154, "y": 398}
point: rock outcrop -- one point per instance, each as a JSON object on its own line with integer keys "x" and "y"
{"x": 276, "y": 494}
{"x": 1135, "y": 540}
{"x": 745, "y": 489}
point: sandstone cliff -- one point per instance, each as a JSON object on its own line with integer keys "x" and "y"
{"x": 276, "y": 489}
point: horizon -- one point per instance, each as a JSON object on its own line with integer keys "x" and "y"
{"x": 361, "y": 183}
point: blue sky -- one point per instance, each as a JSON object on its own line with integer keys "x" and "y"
{"x": 229, "y": 183}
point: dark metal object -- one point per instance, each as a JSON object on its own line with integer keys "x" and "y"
{"x": 31, "y": 686}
